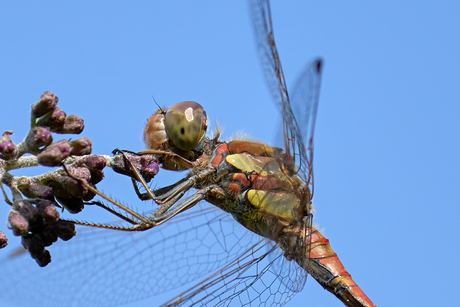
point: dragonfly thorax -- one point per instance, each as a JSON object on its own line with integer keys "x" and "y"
{"x": 259, "y": 194}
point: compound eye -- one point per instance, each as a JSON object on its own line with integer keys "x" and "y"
{"x": 186, "y": 124}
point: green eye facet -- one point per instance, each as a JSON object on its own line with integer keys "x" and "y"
{"x": 186, "y": 124}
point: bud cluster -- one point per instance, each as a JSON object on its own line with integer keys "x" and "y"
{"x": 36, "y": 218}
{"x": 46, "y": 119}
{"x": 37, "y": 221}
{"x": 34, "y": 211}
{"x": 66, "y": 186}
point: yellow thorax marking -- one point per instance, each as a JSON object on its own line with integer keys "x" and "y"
{"x": 277, "y": 203}
{"x": 259, "y": 165}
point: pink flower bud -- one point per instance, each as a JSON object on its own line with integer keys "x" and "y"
{"x": 54, "y": 154}
{"x": 18, "y": 223}
{"x": 80, "y": 147}
{"x": 7, "y": 147}
{"x": 45, "y": 104}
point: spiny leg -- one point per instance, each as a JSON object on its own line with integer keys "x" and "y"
{"x": 183, "y": 185}
{"x": 175, "y": 157}
{"x": 168, "y": 193}
{"x": 157, "y": 192}
{"x": 185, "y": 204}
{"x": 107, "y": 198}
{"x": 112, "y": 211}
{"x": 155, "y": 220}
{"x": 167, "y": 211}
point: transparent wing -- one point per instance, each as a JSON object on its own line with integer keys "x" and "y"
{"x": 304, "y": 102}
{"x": 261, "y": 277}
{"x": 297, "y": 128}
{"x": 204, "y": 248}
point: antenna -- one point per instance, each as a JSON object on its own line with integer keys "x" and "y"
{"x": 161, "y": 109}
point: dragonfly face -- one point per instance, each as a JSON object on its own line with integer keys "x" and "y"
{"x": 186, "y": 124}
{"x": 179, "y": 128}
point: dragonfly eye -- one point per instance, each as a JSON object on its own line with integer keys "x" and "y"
{"x": 186, "y": 124}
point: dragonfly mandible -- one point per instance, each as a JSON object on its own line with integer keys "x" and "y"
{"x": 267, "y": 190}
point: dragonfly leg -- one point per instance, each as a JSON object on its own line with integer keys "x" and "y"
{"x": 166, "y": 211}
{"x": 186, "y": 164}
{"x": 127, "y": 210}
{"x": 169, "y": 197}
{"x": 150, "y": 194}
{"x": 166, "y": 194}
{"x": 157, "y": 192}
{"x": 189, "y": 202}
{"x": 110, "y": 210}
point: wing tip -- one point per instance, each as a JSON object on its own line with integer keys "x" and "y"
{"x": 318, "y": 64}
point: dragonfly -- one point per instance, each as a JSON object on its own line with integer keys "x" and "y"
{"x": 252, "y": 242}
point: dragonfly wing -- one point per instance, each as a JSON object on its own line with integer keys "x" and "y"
{"x": 101, "y": 267}
{"x": 290, "y": 273}
{"x": 204, "y": 248}
{"x": 298, "y": 118}
{"x": 260, "y": 277}
{"x": 304, "y": 102}
{"x": 298, "y": 129}
{"x": 267, "y": 52}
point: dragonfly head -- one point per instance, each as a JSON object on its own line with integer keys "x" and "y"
{"x": 186, "y": 123}
{"x": 182, "y": 126}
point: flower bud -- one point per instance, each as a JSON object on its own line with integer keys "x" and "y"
{"x": 45, "y": 104}
{"x": 149, "y": 170}
{"x": 3, "y": 240}
{"x": 34, "y": 190}
{"x": 38, "y": 138}
{"x": 36, "y": 248}
{"x": 18, "y": 223}
{"x": 96, "y": 176}
{"x": 30, "y": 213}
{"x": 65, "y": 230}
{"x": 80, "y": 147}
{"x": 146, "y": 165}
{"x": 95, "y": 162}
{"x": 33, "y": 244}
{"x": 96, "y": 165}
{"x": 47, "y": 210}
{"x": 48, "y": 235}
{"x": 89, "y": 195}
{"x": 27, "y": 210}
{"x": 53, "y": 120}
{"x": 43, "y": 259}
{"x": 72, "y": 204}
{"x": 7, "y": 147}
{"x": 73, "y": 186}
{"x": 54, "y": 154}
{"x": 73, "y": 124}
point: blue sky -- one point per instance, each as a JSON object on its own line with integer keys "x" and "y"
{"x": 386, "y": 140}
